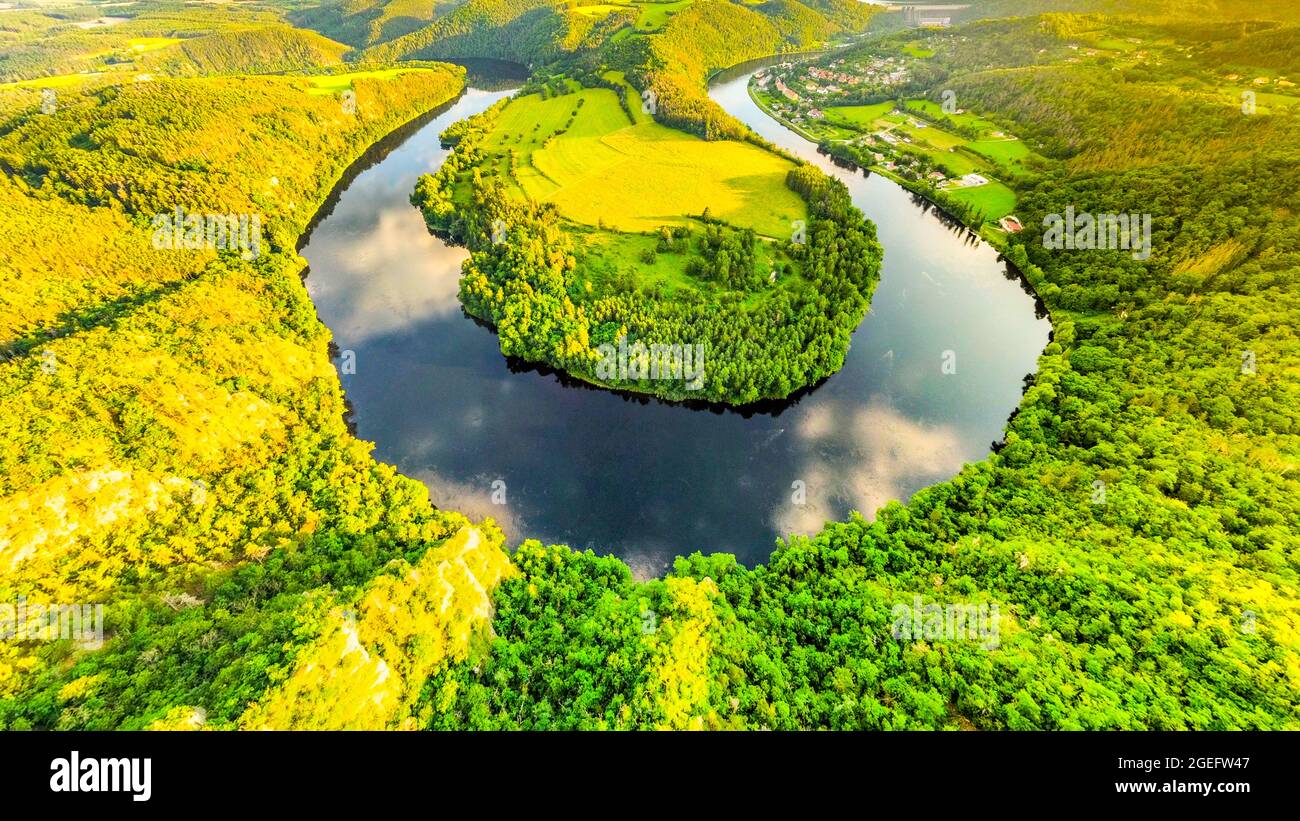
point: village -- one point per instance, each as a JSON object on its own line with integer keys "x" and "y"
{"x": 806, "y": 87}
{"x": 910, "y": 139}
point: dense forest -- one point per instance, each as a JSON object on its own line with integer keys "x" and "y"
{"x": 175, "y": 445}
{"x": 175, "y": 431}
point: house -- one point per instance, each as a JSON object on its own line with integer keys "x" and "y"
{"x": 1011, "y": 224}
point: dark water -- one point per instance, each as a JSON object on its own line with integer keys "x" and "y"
{"x": 644, "y": 479}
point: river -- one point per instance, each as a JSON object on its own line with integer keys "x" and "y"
{"x": 634, "y": 476}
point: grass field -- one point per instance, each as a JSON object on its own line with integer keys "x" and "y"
{"x": 601, "y": 9}
{"x": 966, "y": 119}
{"x": 141, "y": 45}
{"x": 1265, "y": 101}
{"x": 1115, "y": 44}
{"x": 958, "y": 163}
{"x": 334, "y": 83}
{"x": 857, "y": 116}
{"x": 607, "y": 251}
{"x": 638, "y": 114}
{"x": 607, "y": 170}
{"x": 929, "y": 136}
{"x": 654, "y": 15}
{"x": 1011, "y": 153}
{"x": 994, "y": 199}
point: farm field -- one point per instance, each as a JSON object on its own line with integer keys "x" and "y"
{"x": 334, "y": 83}
{"x": 583, "y": 153}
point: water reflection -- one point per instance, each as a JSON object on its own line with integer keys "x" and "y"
{"x": 641, "y": 478}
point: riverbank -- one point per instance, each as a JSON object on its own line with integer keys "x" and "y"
{"x": 375, "y": 153}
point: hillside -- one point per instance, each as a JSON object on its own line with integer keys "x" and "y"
{"x": 257, "y": 51}
{"x": 51, "y": 46}
{"x": 361, "y": 23}
{"x": 517, "y": 30}
{"x": 169, "y": 421}
{"x": 668, "y": 49}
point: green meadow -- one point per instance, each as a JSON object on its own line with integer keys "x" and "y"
{"x": 857, "y": 116}
{"x": 600, "y": 9}
{"x": 994, "y": 199}
{"x": 1009, "y": 152}
{"x": 605, "y": 254}
{"x": 601, "y": 166}
{"x": 965, "y": 119}
{"x": 654, "y": 15}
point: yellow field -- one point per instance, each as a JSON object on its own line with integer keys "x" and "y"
{"x": 140, "y": 45}
{"x": 601, "y": 9}
{"x": 56, "y": 81}
{"x": 334, "y": 83}
{"x": 605, "y": 170}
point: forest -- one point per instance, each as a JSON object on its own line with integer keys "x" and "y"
{"x": 175, "y": 444}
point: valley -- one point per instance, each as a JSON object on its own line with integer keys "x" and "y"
{"x": 377, "y": 472}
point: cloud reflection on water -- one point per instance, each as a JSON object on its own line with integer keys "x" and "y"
{"x": 863, "y": 458}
